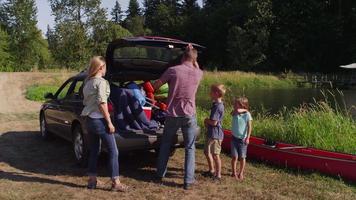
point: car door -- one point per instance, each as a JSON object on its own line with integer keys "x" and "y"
{"x": 58, "y": 118}
{"x": 69, "y": 108}
{"x": 72, "y": 105}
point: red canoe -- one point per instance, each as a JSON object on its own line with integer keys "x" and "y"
{"x": 298, "y": 157}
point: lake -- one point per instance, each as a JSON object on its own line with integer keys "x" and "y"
{"x": 274, "y": 100}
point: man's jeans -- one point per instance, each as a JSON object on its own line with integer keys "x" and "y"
{"x": 188, "y": 126}
{"x": 98, "y": 129}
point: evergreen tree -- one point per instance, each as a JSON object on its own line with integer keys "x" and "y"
{"x": 134, "y": 22}
{"x": 136, "y": 26}
{"x": 133, "y": 9}
{"x": 248, "y": 42}
{"x": 103, "y": 32}
{"x": 164, "y": 18}
{"x": 5, "y": 58}
{"x": 116, "y": 13}
{"x": 150, "y": 8}
{"x": 190, "y": 7}
{"x": 27, "y": 46}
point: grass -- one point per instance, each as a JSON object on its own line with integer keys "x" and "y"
{"x": 37, "y": 92}
{"x": 316, "y": 125}
{"x": 248, "y": 80}
{"x": 23, "y": 177}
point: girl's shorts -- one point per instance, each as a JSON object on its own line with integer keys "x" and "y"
{"x": 238, "y": 148}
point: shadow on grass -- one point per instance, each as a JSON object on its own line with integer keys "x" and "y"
{"x": 25, "y": 177}
{"x": 27, "y": 151}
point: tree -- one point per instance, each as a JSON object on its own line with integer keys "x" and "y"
{"x": 136, "y": 26}
{"x": 150, "y": 7}
{"x": 27, "y": 45}
{"x": 74, "y": 20}
{"x": 5, "y": 57}
{"x": 190, "y": 7}
{"x": 133, "y": 9}
{"x": 163, "y": 18}
{"x": 71, "y": 45}
{"x": 116, "y": 13}
{"x": 248, "y": 42}
{"x": 103, "y": 32}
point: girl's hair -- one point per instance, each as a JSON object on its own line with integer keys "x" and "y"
{"x": 94, "y": 66}
{"x": 243, "y": 101}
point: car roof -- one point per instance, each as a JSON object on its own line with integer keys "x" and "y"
{"x": 80, "y": 76}
{"x": 154, "y": 40}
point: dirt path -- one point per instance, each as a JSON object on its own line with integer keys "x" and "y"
{"x": 13, "y": 87}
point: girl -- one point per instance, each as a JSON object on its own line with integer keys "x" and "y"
{"x": 96, "y": 92}
{"x": 241, "y": 132}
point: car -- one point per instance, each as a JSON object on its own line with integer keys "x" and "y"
{"x": 127, "y": 59}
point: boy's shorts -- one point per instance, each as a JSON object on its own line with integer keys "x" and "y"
{"x": 213, "y": 146}
{"x": 238, "y": 148}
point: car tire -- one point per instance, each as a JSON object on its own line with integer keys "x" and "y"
{"x": 45, "y": 134}
{"x": 80, "y": 148}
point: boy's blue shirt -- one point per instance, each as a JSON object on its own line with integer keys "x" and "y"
{"x": 217, "y": 114}
{"x": 239, "y": 125}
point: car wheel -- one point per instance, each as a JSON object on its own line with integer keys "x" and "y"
{"x": 45, "y": 134}
{"x": 80, "y": 147}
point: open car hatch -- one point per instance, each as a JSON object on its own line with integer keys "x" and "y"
{"x": 143, "y": 58}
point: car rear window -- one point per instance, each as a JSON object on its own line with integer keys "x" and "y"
{"x": 164, "y": 54}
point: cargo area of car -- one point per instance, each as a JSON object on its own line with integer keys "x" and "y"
{"x": 136, "y": 109}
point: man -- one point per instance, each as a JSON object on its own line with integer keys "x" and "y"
{"x": 183, "y": 81}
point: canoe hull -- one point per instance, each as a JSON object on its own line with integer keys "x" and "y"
{"x": 292, "y": 156}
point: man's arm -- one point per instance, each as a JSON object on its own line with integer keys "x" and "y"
{"x": 166, "y": 76}
{"x": 157, "y": 84}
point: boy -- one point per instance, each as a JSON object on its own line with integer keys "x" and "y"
{"x": 215, "y": 133}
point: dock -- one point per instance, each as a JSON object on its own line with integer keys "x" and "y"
{"x": 336, "y": 80}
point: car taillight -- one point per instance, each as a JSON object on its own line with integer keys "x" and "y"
{"x": 110, "y": 108}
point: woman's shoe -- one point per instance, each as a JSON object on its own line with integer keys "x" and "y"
{"x": 119, "y": 187}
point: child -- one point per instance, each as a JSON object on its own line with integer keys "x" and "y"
{"x": 241, "y": 132}
{"x": 215, "y": 133}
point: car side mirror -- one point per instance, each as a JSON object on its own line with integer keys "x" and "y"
{"x": 49, "y": 96}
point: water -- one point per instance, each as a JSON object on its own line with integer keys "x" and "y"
{"x": 274, "y": 100}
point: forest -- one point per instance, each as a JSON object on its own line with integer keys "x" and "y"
{"x": 245, "y": 35}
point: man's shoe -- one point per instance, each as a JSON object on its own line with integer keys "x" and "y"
{"x": 188, "y": 186}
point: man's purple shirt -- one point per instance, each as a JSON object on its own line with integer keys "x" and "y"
{"x": 183, "y": 81}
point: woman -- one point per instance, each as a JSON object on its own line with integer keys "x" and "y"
{"x": 96, "y": 92}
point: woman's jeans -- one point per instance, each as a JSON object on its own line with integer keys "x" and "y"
{"x": 98, "y": 129}
{"x": 188, "y": 126}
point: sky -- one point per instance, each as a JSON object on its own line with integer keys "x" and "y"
{"x": 45, "y": 18}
